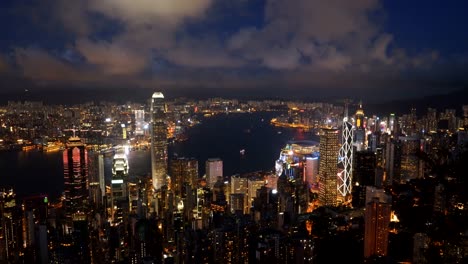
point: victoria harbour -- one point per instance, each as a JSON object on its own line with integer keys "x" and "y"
{"x": 222, "y": 136}
{"x": 258, "y": 131}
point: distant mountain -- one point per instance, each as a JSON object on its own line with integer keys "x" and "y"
{"x": 454, "y": 100}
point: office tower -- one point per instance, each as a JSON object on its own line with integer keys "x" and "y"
{"x": 412, "y": 167}
{"x": 119, "y": 198}
{"x": 360, "y": 132}
{"x": 139, "y": 122}
{"x": 360, "y": 117}
{"x": 364, "y": 174}
{"x": 311, "y": 171}
{"x": 239, "y": 185}
{"x": 237, "y": 203}
{"x": 392, "y": 123}
{"x": 75, "y": 166}
{"x": 184, "y": 172}
{"x": 393, "y": 161}
{"x": 377, "y": 220}
{"x": 364, "y": 168}
{"x": 158, "y": 141}
{"x": 431, "y": 120}
{"x": 329, "y": 148}
{"x": 373, "y": 141}
{"x": 254, "y": 185}
{"x": 10, "y": 227}
{"x": 345, "y": 160}
{"x": 97, "y": 187}
{"x": 36, "y": 211}
{"x": 214, "y": 169}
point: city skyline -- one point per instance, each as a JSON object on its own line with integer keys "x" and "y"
{"x": 259, "y": 48}
{"x": 245, "y": 131}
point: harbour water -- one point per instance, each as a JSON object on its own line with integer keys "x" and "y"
{"x": 245, "y": 143}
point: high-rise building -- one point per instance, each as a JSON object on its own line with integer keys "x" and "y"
{"x": 254, "y": 185}
{"x": 75, "y": 170}
{"x": 97, "y": 187}
{"x": 214, "y": 169}
{"x": 119, "y": 197}
{"x": 183, "y": 171}
{"x": 360, "y": 117}
{"x": 311, "y": 171}
{"x": 239, "y": 185}
{"x": 139, "y": 122}
{"x": 158, "y": 141}
{"x": 10, "y": 227}
{"x": 329, "y": 148}
{"x": 412, "y": 167}
{"x": 392, "y": 123}
{"x": 360, "y": 133}
{"x": 465, "y": 115}
{"x": 377, "y": 220}
{"x": 346, "y": 158}
{"x": 364, "y": 168}
{"x": 393, "y": 161}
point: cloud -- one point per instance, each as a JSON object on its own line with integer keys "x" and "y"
{"x": 303, "y": 43}
{"x": 4, "y": 67}
{"x": 147, "y": 11}
{"x": 38, "y": 64}
{"x": 112, "y": 59}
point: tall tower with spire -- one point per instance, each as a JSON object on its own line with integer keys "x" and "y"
{"x": 360, "y": 134}
{"x": 158, "y": 141}
{"x": 345, "y": 158}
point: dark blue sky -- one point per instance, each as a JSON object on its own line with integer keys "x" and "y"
{"x": 375, "y": 49}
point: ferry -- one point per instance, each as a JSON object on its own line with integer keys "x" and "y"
{"x": 52, "y": 147}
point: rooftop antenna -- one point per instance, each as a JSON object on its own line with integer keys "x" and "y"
{"x": 346, "y": 114}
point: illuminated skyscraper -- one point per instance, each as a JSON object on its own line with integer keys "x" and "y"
{"x": 75, "y": 171}
{"x": 119, "y": 186}
{"x": 329, "y": 148}
{"x": 10, "y": 227}
{"x": 183, "y": 171}
{"x": 377, "y": 220}
{"x": 346, "y": 157}
{"x": 360, "y": 117}
{"x": 158, "y": 141}
{"x": 392, "y": 123}
{"x": 214, "y": 169}
{"x": 139, "y": 122}
{"x": 360, "y": 133}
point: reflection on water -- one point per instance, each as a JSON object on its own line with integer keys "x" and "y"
{"x": 220, "y": 136}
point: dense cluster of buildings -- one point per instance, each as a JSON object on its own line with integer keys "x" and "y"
{"x": 378, "y": 189}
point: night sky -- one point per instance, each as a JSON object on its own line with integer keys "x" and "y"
{"x": 378, "y": 50}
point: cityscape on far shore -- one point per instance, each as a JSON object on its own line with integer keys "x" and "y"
{"x": 388, "y": 188}
{"x": 233, "y": 132}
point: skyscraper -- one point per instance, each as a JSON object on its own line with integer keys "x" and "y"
{"x": 183, "y": 170}
{"x": 10, "y": 227}
{"x": 465, "y": 115}
{"x": 75, "y": 171}
{"x": 139, "y": 122}
{"x": 346, "y": 157}
{"x": 158, "y": 141}
{"x": 377, "y": 220}
{"x": 214, "y": 169}
{"x": 328, "y": 169}
{"x": 360, "y": 133}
